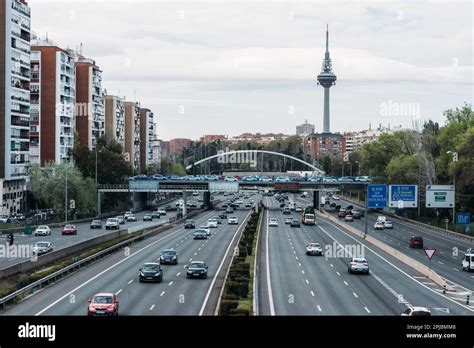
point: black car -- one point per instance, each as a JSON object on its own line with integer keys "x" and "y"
{"x": 155, "y": 215}
{"x": 96, "y": 224}
{"x": 333, "y": 205}
{"x": 189, "y": 224}
{"x": 196, "y": 269}
{"x": 169, "y": 256}
{"x": 295, "y": 223}
{"x": 150, "y": 272}
{"x": 223, "y": 215}
{"x": 147, "y": 217}
{"x": 167, "y": 207}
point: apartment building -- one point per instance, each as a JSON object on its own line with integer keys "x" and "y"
{"x": 327, "y": 144}
{"x": 55, "y": 89}
{"x": 115, "y": 119}
{"x": 147, "y": 126}
{"x": 132, "y": 134}
{"x": 90, "y": 110}
{"x": 15, "y": 37}
{"x": 178, "y": 144}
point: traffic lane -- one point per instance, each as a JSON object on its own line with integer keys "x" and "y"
{"x": 287, "y": 282}
{"x": 444, "y": 262}
{"x": 84, "y": 233}
{"x": 403, "y": 285}
{"x": 66, "y": 287}
{"x": 179, "y": 295}
{"x": 131, "y": 299}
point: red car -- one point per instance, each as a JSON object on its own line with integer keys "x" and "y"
{"x": 341, "y": 214}
{"x": 69, "y": 229}
{"x": 103, "y": 304}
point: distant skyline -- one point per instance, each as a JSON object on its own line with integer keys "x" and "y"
{"x": 206, "y": 67}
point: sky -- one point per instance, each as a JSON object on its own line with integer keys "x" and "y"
{"x": 229, "y": 67}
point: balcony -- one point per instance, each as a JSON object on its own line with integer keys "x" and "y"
{"x": 23, "y": 9}
{"x": 20, "y": 123}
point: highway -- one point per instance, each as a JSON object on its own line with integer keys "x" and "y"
{"x": 84, "y": 233}
{"x": 118, "y": 273}
{"x": 445, "y": 261}
{"x": 292, "y": 283}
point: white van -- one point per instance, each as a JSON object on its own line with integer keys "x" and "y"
{"x": 468, "y": 262}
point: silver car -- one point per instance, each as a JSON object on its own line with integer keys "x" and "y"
{"x": 358, "y": 265}
{"x": 41, "y": 248}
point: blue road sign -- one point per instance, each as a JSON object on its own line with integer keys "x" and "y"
{"x": 376, "y": 196}
{"x": 403, "y": 196}
{"x": 463, "y": 218}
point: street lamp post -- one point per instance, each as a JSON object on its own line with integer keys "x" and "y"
{"x": 455, "y": 159}
{"x": 65, "y": 193}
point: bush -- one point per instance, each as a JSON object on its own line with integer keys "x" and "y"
{"x": 249, "y": 249}
{"x": 230, "y": 296}
{"x": 227, "y": 306}
{"x": 244, "y": 287}
{"x": 234, "y": 288}
{"x": 243, "y": 251}
{"x": 239, "y": 312}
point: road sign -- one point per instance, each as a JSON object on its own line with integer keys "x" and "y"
{"x": 376, "y": 196}
{"x": 463, "y": 218}
{"x": 217, "y": 186}
{"x": 439, "y": 196}
{"x": 403, "y": 196}
{"x": 446, "y": 220}
{"x": 430, "y": 252}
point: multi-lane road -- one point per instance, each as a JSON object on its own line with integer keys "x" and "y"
{"x": 175, "y": 295}
{"x": 292, "y": 283}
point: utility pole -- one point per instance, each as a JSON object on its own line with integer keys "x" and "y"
{"x": 65, "y": 193}
{"x": 455, "y": 159}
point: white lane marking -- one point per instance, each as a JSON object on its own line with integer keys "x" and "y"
{"x": 151, "y": 308}
{"x": 456, "y": 269}
{"x": 162, "y": 293}
{"x": 177, "y": 244}
{"x": 312, "y": 293}
{"x": 194, "y": 255}
{"x": 338, "y": 273}
{"x": 319, "y": 308}
{"x": 440, "y": 263}
{"x": 367, "y": 310}
{"x": 108, "y": 269}
{"x": 177, "y": 274}
{"x": 211, "y": 286}
{"x": 331, "y": 265}
{"x": 296, "y": 257}
{"x": 302, "y": 271}
{"x": 170, "y": 283}
{"x": 190, "y": 259}
{"x": 346, "y": 283}
{"x": 428, "y": 283}
{"x": 299, "y": 264}
{"x": 130, "y": 281}
{"x": 118, "y": 292}
{"x": 355, "y": 295}
{"x": 307, "y": 281}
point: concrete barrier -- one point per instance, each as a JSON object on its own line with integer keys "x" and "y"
{"x": 416, "y": 265}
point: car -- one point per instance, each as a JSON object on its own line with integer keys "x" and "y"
{"x": 131, "y": 218}
{"x": 218, "y": 219}
{"x": 273, "y": 222}
{"x": 248, "y": 204}
{"x": 196, "y": 269}
{"x": 338, "y": 208}
{"x": 314, "y": 249}
{"x": 212, "y": 223}
{"x": 69, "y": 230}
{"x": 348, "y": 218}
{"x": 356, "y": 214}
{"x": 388, "y": 224}
{"x": 295, "y": 223}
{"x": 161, "y": 211}
{"x": 286, "y": 211}
{"x": 41, "y": 248}
{"x": 225, "y": 205}
{"x": 381, "y": 218}
{"x": 412, "y": 311}
{"x": 336, "y": 198}
{"x": 288, "y": 221}
{"x": 167, "y": 207}
{"x": 4, "y": 219}
{"x": 169, "y": 256}
{"x": 298, "y": 209}
{"x": 358, "y": 265}
{"x": 112, "y": 223}
{"x": 206, "y": 229}
{"x": 416, "y": 242}
{"x": 121, "y": 219}
{"x": 333, "y": 205}
{"x": 42, "y": 230}
{"x": 96, "y": 224}
{"x": 341, "y": 214}
{"x": 222, "y": 215}
{"x": 468, "y": 261}
{"x": 155, "y": 215}
{"x": 233, "y": 220}
{"x": 200, "y": 234}
{"x": 147, "y": 217}
{"x": 150, "y": 272}
{"x": 105, "y": 304}
{"x": 361, "y": 213}
{"x": 189, "y": 224}
{"x": 127, "y": 214}
{"x": 378, "y": 225}
{"x": 229, "y": 210}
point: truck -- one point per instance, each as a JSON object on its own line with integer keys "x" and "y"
{"x": 308, "y": 217}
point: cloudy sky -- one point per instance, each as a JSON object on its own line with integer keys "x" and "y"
{"x": 228, "y": 67}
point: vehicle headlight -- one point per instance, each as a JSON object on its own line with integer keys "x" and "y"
{"x": 141, "y": 273}
{"x": 110, "y": 309}
{"x": 174, "y": 257}
{"x": 162, "y": 258}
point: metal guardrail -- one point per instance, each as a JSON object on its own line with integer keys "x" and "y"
{"x": 31, "y": 288}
